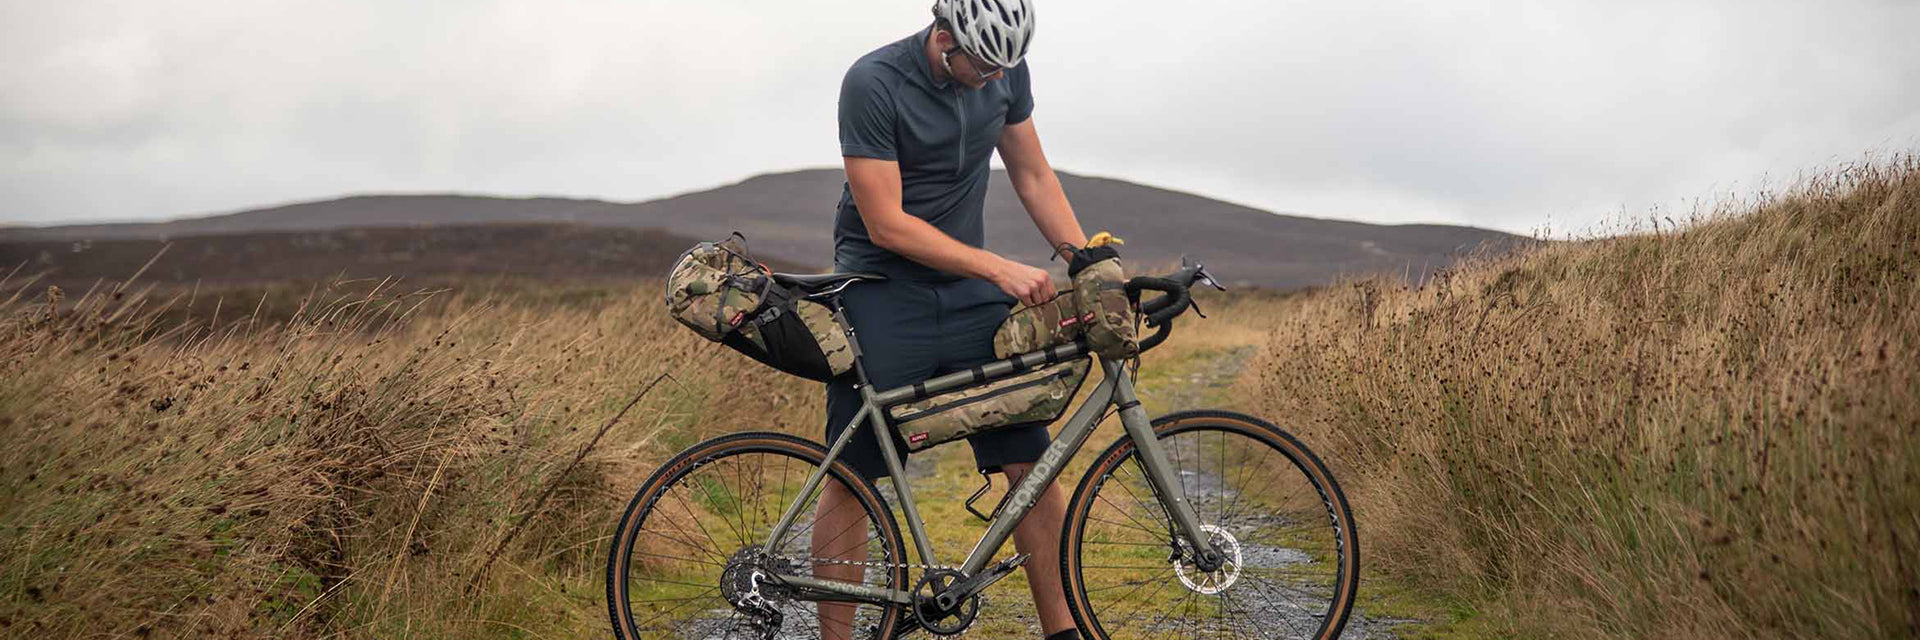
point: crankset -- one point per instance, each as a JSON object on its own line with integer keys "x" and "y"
{"x": 945, "y": 602}
{"x": 943, "y": 620}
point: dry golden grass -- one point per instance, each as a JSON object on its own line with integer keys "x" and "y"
{"x": 1709, "y": 433}
{"x": 343, "y": 473}
{"x": 1705, "y": 433}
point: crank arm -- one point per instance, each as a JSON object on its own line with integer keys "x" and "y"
{"x": 979, "y": 583}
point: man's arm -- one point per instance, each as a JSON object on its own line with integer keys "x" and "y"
{"x": 875, "y": 185}
{"x": 1038, "y": 187}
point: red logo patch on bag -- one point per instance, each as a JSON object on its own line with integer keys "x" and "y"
{"x": 917, "y": 438}
{"x": 737, "y": 317}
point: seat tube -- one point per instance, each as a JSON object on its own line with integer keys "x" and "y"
{"x": 878, "y": 421}
{"x": 1160, "y": 473}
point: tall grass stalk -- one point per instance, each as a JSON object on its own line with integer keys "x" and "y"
{"x": 1709, "y": 432}
{"x": 342, "y": 473}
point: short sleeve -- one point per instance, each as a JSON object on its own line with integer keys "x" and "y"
{"x": 1021, "y": 84}
{"x": 867, "y": 115}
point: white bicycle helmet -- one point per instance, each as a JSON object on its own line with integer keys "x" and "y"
{"x": 995, "y": 31}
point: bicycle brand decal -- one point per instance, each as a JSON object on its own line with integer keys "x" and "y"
{"x": 1073, "y": 320}
{"x": 1044, "y": 468}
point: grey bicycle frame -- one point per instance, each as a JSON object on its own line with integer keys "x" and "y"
{"x": 1115, "y": 389}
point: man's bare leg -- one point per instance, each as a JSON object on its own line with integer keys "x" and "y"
{"x": 834, "y": 536}
{"x": 1038, "y": 535}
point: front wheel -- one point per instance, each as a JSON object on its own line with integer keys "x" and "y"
{"x": 1292, "y": 558}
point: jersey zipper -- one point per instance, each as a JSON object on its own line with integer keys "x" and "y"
{"x": 960, "y": 107}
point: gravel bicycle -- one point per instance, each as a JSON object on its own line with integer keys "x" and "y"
{"x": 1203, "y": 524}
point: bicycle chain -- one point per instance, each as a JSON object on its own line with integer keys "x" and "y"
{"x": 888, "y": 565}
{"x": 876, "y": 565}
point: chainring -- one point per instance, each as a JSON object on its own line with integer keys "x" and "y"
{"x": 938, "y": 621}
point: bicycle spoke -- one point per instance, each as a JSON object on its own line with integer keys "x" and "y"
{"x": 1254, "y": 499}
{"x": 701, "y": 518}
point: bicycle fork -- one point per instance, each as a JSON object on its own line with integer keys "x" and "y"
{"x": 1161, "y": 475}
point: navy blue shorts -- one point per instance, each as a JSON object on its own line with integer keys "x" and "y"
{"x": 910, "y": 331}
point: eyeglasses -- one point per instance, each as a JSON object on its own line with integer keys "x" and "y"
{"x": 981, "y": 70}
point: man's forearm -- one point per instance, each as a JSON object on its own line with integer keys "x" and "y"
{"x": 1046, "y": 203}
{"x": 926, "y": 244}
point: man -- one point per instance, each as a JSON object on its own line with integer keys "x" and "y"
{"x": 919, "y": 120}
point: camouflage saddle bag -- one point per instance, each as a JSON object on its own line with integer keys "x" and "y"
{"x": 721, "y": 293}
{"x": 1037, "y": 396}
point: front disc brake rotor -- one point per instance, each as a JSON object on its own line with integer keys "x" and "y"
{"x": 1211, "y": 582}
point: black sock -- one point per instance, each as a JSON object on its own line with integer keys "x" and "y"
{"x": 1070, "y": 634}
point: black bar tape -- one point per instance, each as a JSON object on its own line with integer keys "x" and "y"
{"x": 919, "y": 390}
{"x": 979, "y": 375}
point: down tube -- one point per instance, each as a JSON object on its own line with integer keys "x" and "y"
{"x": 1078, "y": 429}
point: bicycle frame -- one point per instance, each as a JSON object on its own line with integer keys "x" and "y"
{"x": 1115, "y": 390}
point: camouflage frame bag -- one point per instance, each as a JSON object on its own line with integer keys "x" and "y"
{"x": 725, "y": 296}
{"x": 1040, "y": 395}
{"x": 1099, "y": 290}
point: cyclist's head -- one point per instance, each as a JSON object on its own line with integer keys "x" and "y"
{"x": 994, "y": 32}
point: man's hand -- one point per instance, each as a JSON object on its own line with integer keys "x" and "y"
{"x": 1032, "y": 287}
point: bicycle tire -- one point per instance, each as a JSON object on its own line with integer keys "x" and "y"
{"x": 1291, "y": 555}
{"x": 657, "y": 503}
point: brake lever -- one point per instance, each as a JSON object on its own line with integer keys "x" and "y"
{"x": 1203, "y": 276}
{"x": 1195, "y": 305}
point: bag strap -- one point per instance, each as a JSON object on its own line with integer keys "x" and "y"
{"x": 760, "y": 271}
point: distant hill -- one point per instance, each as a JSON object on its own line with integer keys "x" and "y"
{"x": 451, "y": 251}
{"x": 788, "y": 217}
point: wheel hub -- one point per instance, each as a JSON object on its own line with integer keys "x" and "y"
{"x": 1210, "y": 582}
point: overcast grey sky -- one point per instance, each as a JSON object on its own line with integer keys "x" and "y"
{"x": 1504, "y": 115}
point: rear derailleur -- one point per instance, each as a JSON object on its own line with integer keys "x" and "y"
{"x": 748, "y": 583}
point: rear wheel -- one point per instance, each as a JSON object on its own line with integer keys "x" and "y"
{"x": 686, "y": 562}
{"x": 1292, "y": 560}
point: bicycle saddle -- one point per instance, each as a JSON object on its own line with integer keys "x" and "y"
{"x": 816, "y": 283}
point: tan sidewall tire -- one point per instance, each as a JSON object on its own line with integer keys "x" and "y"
{"x": 619, "y": 557}
{"x": 1349, "y": 579}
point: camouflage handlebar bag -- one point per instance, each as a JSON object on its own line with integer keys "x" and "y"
{"x": 1099, "y": 291}
{"x": 1054, "y": 323}
{"x": 721, "y": 293}
{"x": 1040, "y": 395}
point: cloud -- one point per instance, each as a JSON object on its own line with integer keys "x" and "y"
{"x": 1494, "y": 114}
